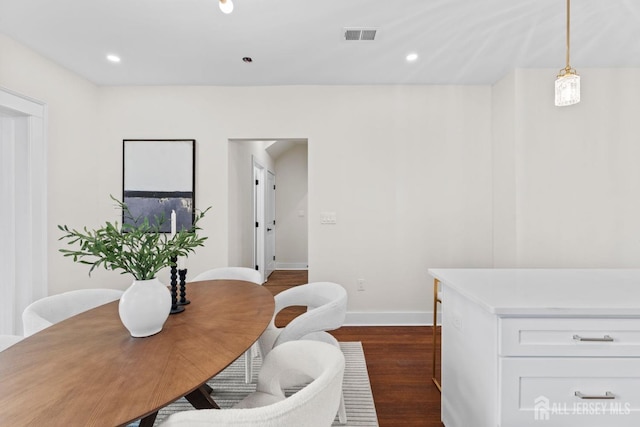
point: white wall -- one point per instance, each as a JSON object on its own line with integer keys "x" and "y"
{"x": 409, "y": 175}
{"x": 505, "y": 195}
{"x": 577, "y": 179}
{"x": 420, "y": 176}
{"x": 292, "y": 207}
{"x": 74, "y": 143}
{"x": 241, "y": 224}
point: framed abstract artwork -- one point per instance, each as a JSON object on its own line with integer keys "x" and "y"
{"x": 158, "y": 177}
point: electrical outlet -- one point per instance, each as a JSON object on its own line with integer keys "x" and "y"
{"x": 457, "y": 321}
{"x": 361, "y": 284}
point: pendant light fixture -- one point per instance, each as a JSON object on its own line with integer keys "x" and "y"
{"x": 226, "y": 6}
{"x": 568, "y": 81}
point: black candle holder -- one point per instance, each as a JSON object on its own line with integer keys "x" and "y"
{"x": 175, "y": 308}
{"x": 183, "y": 292}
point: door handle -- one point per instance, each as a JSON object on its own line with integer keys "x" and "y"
{"x": 269, "y": 229}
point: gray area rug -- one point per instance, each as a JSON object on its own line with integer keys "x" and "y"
{"x": 229, "y": 388}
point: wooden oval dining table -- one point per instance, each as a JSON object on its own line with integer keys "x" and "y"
{"x": 88, "y": 371}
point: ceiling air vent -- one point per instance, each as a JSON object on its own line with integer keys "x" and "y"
{"x": 356, "y": 34}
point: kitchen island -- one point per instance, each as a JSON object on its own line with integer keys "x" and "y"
{"x": 540, "y": 347}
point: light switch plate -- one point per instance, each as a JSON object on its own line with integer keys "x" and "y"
{"x": 328, "y": 218}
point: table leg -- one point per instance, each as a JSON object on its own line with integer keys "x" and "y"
{"x": 200, "y": 399}
{"x": 148, "y": 420}
{"x": 207, "y": 388}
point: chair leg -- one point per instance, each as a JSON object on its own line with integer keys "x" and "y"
{"x": 436, "y": 300}
{"x": 342, "y": 411}
{"x": 248, "y": 365}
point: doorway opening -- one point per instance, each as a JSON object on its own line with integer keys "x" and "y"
{"x": 23, "y": 211}
{"x": 268, "y": 204}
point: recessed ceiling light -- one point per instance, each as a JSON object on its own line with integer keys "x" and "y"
{"x": 113, "y": 58}
{"x": 412, "y": 57}
{"x": 226, "y": 6}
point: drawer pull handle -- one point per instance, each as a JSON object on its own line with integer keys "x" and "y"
{"x": 607, "y": 395}
{"x": 606, "y": 338}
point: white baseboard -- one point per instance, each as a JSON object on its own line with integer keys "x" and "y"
{"x": 418, "y": 318}
{"x": 292, "y": 266}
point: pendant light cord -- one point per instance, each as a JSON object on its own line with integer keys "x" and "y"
{"x": 568, "y": 32}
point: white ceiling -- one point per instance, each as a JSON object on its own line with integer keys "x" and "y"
{"x": 300, "y": 42}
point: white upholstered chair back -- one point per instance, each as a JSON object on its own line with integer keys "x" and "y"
{"x": 236, "y": 273}
{"x": 315, "y": 405}
{"x": 230, "y": 273}
{"x": 326, "y": 304}
{"x": 56, "y": 308}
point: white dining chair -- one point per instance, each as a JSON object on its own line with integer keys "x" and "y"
{"x": 326, "y": 304}
{"x": 236, "y": 273}
{"x": 49, "y": 310}
{"x": 7, "y": 341}
{"x": 230, "y": 273}
{"x": 314, "y": 405}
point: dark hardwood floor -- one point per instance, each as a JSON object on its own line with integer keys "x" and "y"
{"x": 398, "y": 361}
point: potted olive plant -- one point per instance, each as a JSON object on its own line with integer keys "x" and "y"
{"x": 136, "y": 247}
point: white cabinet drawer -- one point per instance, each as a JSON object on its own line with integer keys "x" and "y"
{"x": 542, "y": 392}
{"x": 569, "y": 337}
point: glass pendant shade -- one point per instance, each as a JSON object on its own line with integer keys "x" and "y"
{"x": 568, "y": 81}
{"x": 226, "y": 6}
{"x": 567, "y": 89}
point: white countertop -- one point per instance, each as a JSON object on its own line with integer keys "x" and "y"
{"x": 544, "y": 292}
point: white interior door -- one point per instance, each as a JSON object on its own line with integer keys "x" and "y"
{"x": 23, "y": 211}
{"x": 270, "y": 221}
{"x": 258, "y": 219}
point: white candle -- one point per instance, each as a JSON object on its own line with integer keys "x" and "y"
{"x": 173, "y": 223}
{"x": 182, "y": 263}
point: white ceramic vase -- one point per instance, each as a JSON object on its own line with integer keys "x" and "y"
{"x": 144, "y": 307}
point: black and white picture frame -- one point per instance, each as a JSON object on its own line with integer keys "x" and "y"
{"x": 158, "y": 177}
